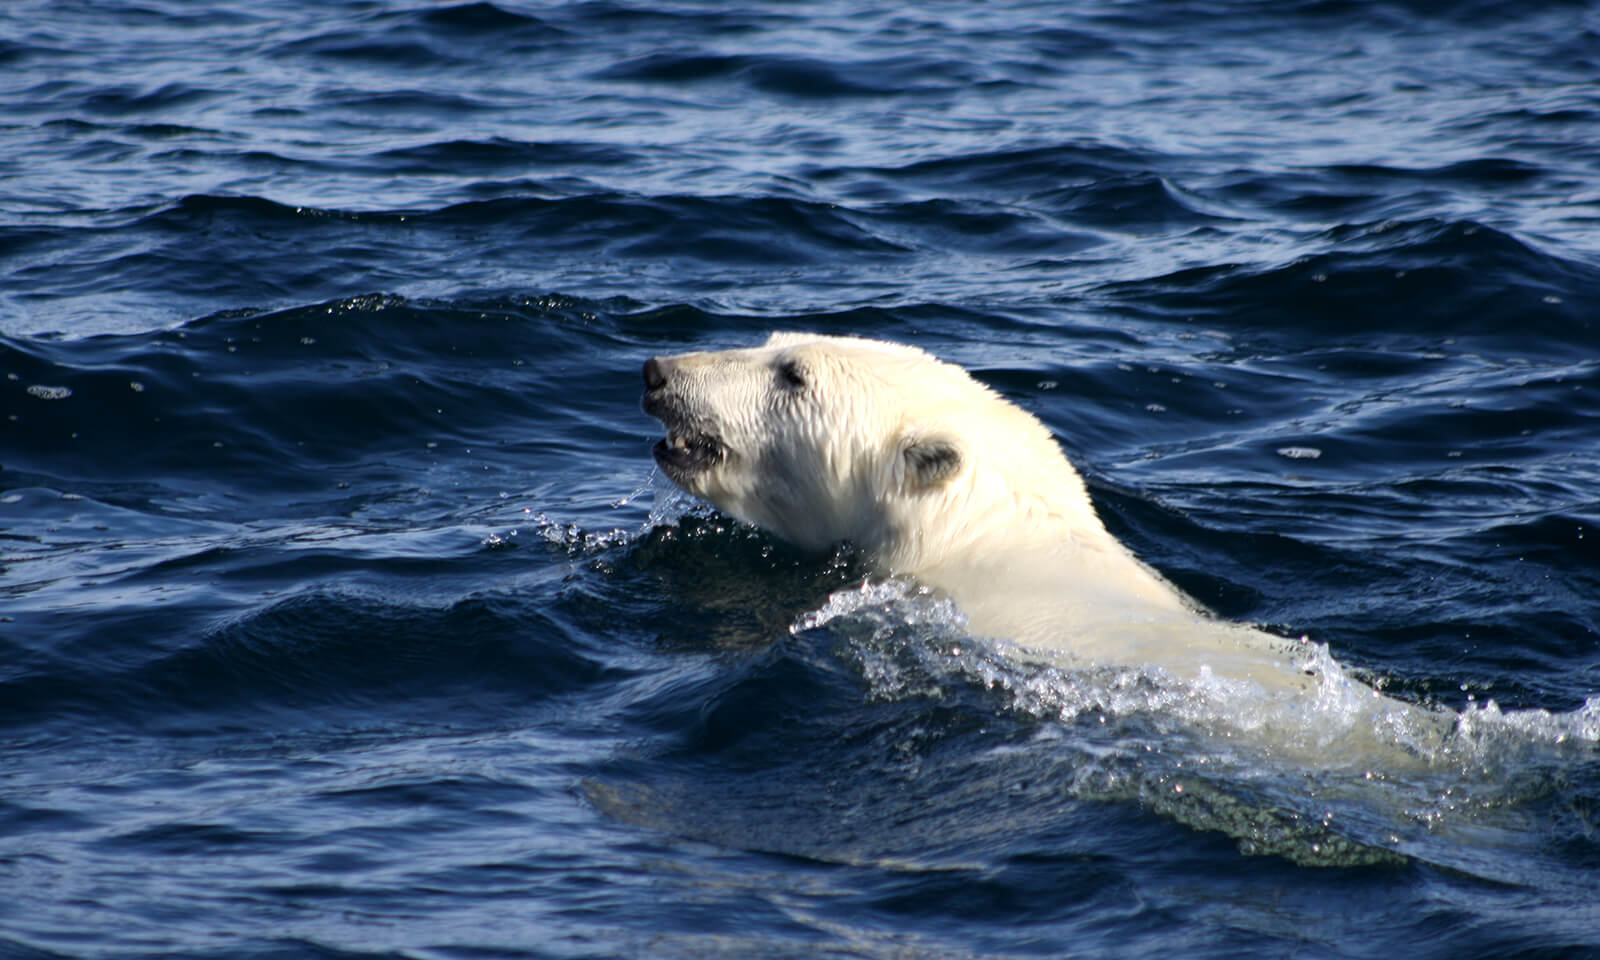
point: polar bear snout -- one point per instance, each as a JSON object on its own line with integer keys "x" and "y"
{"x": 662, "y": 398}
{"x": 655, "y": 373}
{"x": 691, "y": 447}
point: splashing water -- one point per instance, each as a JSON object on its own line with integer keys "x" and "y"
{"x": 1322, "y": 779}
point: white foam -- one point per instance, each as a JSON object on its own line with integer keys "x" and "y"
{"x": 908, "y": 640}
{"x": 912, "y": 604}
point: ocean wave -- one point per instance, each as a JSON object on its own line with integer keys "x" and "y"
{"x": 499, "y": 154}
{"x": 480, "y": 18}
{"x": 267, "y": 401}
{"x": 438, "y": 38}
{"x": 1003, "y": 174}
{"x": 737, "y": 230}
{"x": 1431, "y": 278}
{"x": 799, "y": 77}
{"x": 1134, "y": 203}
{"x": 1393, "y": 15}
{"x": 320, "y": 651}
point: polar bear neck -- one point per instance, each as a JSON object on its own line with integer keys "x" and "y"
{"x": 999, "y": 547}
{"x": 1013, "y": 526}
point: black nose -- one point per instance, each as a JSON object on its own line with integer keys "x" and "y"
{"x": 655, "y": 374}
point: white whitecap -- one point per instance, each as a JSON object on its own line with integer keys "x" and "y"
{"x": 1299, "y": 453}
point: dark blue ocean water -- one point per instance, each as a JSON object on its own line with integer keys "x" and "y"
{"x": 342, "y": 614}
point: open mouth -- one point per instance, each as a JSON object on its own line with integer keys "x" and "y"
{"x": 686, "y": 452}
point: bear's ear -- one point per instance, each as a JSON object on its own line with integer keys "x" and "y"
{"x": 929, "y": 461}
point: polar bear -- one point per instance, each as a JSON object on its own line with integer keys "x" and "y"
{"x": 934, "y": 476}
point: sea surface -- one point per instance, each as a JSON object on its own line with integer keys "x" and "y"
{"x": 343, "y": 613}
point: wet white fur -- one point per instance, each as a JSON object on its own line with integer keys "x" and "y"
{"x": 935, "y": 476}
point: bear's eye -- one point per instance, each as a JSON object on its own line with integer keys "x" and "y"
{"x": 792, "y": 373}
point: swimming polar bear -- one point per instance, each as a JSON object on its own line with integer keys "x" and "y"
{"x": 934, "y": 476}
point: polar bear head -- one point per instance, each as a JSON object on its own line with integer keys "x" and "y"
{"x": 824, "y": 439}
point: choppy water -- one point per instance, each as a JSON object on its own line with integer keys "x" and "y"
{"x": 342, "y": 615}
